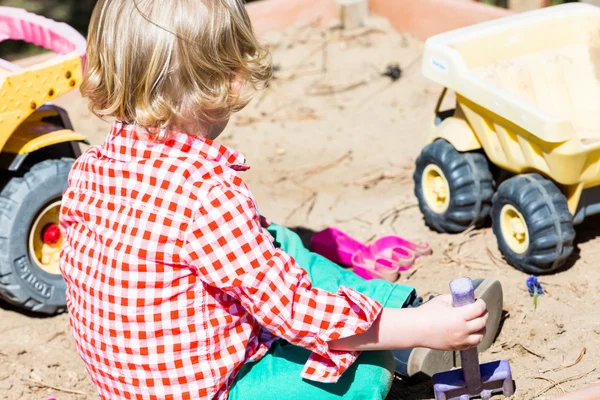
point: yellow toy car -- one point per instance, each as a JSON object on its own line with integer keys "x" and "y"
{"x": 37, "y": 149}
{"x": 523, "y": 141}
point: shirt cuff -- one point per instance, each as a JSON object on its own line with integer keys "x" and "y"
{"x": 326, "y": 365}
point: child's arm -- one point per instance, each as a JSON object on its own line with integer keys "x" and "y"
{"x": 435, "y": 325}
{"x": 227, "y": 247}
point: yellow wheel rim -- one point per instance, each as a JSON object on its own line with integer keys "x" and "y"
{"x": 45, "y": 239}
{"x": 436, "y": 189}
{"x": 514, "y": 229}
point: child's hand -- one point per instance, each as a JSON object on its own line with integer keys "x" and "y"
{"x": 443, "y": 327}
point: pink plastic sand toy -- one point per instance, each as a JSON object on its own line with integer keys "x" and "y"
{"x": 383, "y": 258}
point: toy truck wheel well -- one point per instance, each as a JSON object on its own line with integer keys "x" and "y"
{"x": 452, "y": 126}
{"x": 52, "y": 123}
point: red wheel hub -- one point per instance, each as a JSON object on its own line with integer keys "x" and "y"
{"x": 51, "y": 234}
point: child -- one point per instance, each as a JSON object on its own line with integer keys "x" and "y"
{"x": 177, "y": 288}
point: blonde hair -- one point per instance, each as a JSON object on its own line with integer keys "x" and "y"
{"x": 154, "y": 62}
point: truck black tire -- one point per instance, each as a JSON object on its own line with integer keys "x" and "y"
{"x": 22, "y": 281}
{"x": 545, "y": 240}
{"x": 467, "y": 179}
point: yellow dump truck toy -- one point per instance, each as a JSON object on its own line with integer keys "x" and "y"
{"x": 37, "y": 149}
{"x": 523, "y": 140}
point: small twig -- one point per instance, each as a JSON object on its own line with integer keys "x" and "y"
{"x": 531, "y": 351}
{"x": 551, "y": 381}
{"x": 452, "y": 250}
{"x": 312, "y": 205}
{"x": 244, "y": 120}
{"x": 363, "y": 32}
{"x": 265, "y": 92}
{"x": 57, "y": 334}
{"x": 317, "y": 169}
{"x": 572, "y": 378}
{"x": 559, "y": 285}
{"x": 414, "y": 271}
{"x": 493, "y": 258}
{"x": 370, "y": 238}
{"x": 328, "y": 90}
{"x": 60, "y": 389}
{"x": 394, "y": 213}
{"x": 309, "y": 200}
{"x": 389, "y": 84}
{"x": 355, "y": 218}
{"x": 295, "y": 68}
{"x": 579, "y": 358}
{"x": 371, "y": 181}
{"x": 299, "y": 34}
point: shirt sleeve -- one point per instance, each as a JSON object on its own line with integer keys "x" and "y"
{"x": 227, "y": 247}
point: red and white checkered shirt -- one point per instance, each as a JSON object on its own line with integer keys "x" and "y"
{"x": 172, "y": 282}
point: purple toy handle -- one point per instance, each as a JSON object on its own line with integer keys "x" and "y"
{"x": 463, "y": 294}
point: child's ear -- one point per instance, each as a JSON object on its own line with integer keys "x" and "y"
{"x": 237, "y": 84}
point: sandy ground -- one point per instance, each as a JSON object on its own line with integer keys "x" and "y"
{"x": 346, "y": 159}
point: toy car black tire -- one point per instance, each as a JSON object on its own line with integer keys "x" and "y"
{"x": 469, "y": 182}
{"x": 545, "y": 213}
{"x": 22, "y": 282}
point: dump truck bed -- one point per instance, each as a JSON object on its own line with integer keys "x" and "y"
{"x": 539, "y": 70}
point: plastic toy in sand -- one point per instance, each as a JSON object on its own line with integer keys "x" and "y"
{"x": 522, "y": 140}
{"x": 473, "y": 379}
{"x": 384, "y": 258}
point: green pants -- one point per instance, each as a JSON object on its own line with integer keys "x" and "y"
{"x": 276, "y": 376}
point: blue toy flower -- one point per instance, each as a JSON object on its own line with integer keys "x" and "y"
{"x": 535, "y": 289}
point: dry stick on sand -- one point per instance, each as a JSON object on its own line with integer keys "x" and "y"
{"x": 372, "y": 181}
{"x": 311, "y": 200}
{"x": 244, "y": 120}
{"x": 57, "y": 334}
{"x": 294, "y": 70}
{"x": 389, "y": 84}
{"x": 572, "y": 378}
{"x": 297, "y": 66}
{"x": 452, "y": 250}
{"x": 355, "y": 218}
{"x": 552, "y": 381}
{"x": 303, "y": 176}
{"x": 579, "y": 358}
{"x": 60, "y": 389}
{"x": 413, "y": 271}
{"x": 530, "y": 351}
{"x": 360, "y": 33}
{"x": 326, "y": 89}
{"x": 574, "y": 290}
{"x": 394, "y": 213}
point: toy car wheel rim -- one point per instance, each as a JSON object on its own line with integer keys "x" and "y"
{"x": 436, "y": 189}
{"x": 514, "y": 229}
{"x": 45, "y": 239}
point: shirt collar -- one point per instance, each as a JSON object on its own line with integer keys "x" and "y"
{"x": 124, "y": 143}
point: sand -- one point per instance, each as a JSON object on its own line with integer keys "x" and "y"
{"x": 346, "y": 159}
